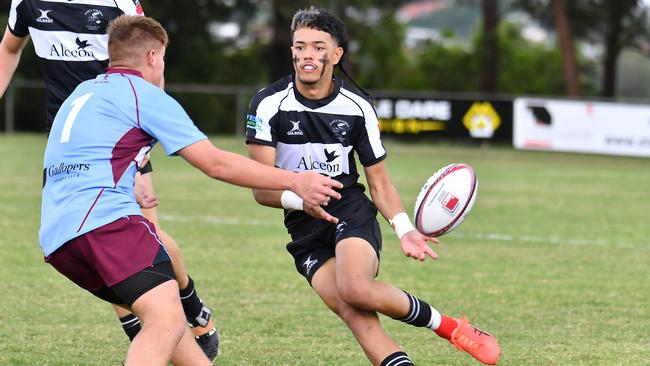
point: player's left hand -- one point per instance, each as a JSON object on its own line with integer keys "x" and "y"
{"x": 414, "y": 244}
{"x": 319, "y": 213}
{"x": 144, "y": 199}
{"x": 147, "y": 201}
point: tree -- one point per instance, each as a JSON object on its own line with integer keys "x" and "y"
{"x": 277, "y": 52}
{"x": 489, "y": 47}
{"x": 566, "y": 46}
{"x": 617, "y": 24}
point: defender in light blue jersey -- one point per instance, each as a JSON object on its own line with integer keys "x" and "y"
{"x": 92, "y": 229}
{"x": 97, "y": 140}
{"x": 72, "y": 49}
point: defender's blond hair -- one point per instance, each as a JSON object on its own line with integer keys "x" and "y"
{"x": 130, "y": 37}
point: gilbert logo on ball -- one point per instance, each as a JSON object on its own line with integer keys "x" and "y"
{"x": 445, "y": 199}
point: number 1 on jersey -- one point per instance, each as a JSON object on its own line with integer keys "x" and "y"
{"x": 69, "y": 121}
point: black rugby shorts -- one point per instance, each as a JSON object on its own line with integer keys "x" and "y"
{"x": 315, "y": 242}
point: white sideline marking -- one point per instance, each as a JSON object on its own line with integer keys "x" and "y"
{"x": 549, "y": 240}
{"x": 219, "y": 220}
{"x": 471, "y": 235}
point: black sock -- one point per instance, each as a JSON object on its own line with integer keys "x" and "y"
{"x": 419, "y": 314}
{"x": 131, "y": 325}
{"x": 397, "y": 359}
{"x": 192, "y": 304}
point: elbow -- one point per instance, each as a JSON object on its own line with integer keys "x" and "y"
{"x": 218, "y": 169}
{"x": 258, "y": 196}
{"x": 374, "y": 192}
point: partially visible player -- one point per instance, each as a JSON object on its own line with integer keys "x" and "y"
{"x": 92, "y": 229}
{"x": 312, "y": 121}
{"x": 71, "y": 44}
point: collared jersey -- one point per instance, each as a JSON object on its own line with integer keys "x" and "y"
{"x": 321, "y": 136}
{"x": 69, "y": 38}
{"x": 97, "y": 139}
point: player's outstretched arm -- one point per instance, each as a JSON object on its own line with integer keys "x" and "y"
{"x": 11, "y": 48}
{"x": 389, "y": 203}
{"x": 280, "y": 199}
{"x": 236, "y": 169}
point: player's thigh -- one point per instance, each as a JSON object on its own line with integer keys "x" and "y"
{"x": 356, "y": 262}
{"x": 159, "y": 302}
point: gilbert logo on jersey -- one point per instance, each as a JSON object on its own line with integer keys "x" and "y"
{"x": 295, "y": 129}
{"x": 44, "y": 18}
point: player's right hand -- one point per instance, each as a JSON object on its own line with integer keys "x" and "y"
{"x": 415, "y": 245}
{"x": 316, "y": 189}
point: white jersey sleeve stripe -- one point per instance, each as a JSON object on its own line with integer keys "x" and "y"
{"x": 13, "y": 15}
{"x": 372, "y": 122}
{"x": 267, "y": 109}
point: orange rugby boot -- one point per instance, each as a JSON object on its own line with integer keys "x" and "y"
{"x": 480, "y": 344}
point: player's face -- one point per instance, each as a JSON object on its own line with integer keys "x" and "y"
{"x": 314, "y": 55}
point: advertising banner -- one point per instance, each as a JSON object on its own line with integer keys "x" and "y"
{"x": 453, "y": 118}
{"x": 582, "y": 126}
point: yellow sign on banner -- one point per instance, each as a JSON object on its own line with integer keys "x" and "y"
{"x": 481, "y": 120}
{"x": 410, "y": 126}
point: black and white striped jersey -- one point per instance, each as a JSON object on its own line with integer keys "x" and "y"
{"x": 70, "y": 40}
{"x": 316, "y": 135}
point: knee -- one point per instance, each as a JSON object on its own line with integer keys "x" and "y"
{"x": 171, "y": 323}
{"x": 358, "y": 295}
{"x": 175, "y": 325}
{"x": 352, "y": 317}
{"x": 363, "y": 324}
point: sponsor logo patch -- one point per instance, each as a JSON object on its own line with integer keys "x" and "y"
{"x": 253, "y": 122}
{"x": 95, "y": 19}
{"x": 340, "y": 129}
{"x": 330, "y": 156}
{"x": 60, "y": 50}
{"x": 449, "y": 202}
{"x": 65, "y": 171}
{"x": 481, "y": 120}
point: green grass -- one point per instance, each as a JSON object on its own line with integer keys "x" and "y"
{"x": 553, "y": 260}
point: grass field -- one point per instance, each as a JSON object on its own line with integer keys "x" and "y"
{"x": 554, "y": 260}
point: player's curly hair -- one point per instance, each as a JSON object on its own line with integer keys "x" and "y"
{"x": 323, "y": 20}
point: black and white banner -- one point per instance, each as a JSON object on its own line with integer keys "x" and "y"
{"x": 582, "y": 126}
{"x": 445, "y": 117}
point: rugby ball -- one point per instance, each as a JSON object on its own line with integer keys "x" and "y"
{"x": 445, "y": 199}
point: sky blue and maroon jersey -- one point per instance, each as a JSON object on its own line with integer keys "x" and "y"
{"x": 69, "y": 38}
{"x": 98, "y": 136}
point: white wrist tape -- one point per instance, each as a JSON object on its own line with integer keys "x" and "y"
{"x": 401, "y": 224}
{"x": 291, "y": 201}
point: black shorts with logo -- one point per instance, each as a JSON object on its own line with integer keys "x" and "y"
{"x": 314, "y": 242}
